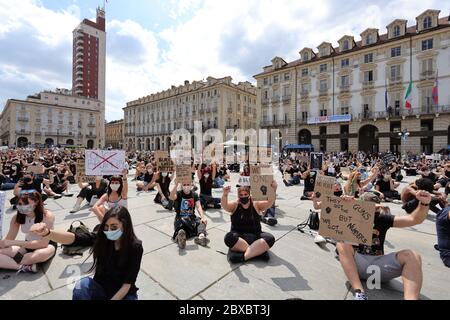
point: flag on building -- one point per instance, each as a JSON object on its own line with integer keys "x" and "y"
{"x": 436, "y": 91}
{"x": 408, "y": 96}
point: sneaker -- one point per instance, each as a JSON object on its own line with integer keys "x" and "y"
{"x": 202, "y": 241}
{"x": 236, "y": 257}
{"x": 360, "y": 296}
{"x": 269, "y": 221}
{"x": 265, "y": 256}
{"x": 75, "y": 209}
{"x": 27, "y": 269}
{"x": 304, "y": 198}
{"x": 319, "y": 240}
{"x": 181, "y": 239}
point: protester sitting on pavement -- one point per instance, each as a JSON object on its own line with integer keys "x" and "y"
{"x": 443, "y": 234}
{"x": 187, "y": 224}
{"x": 222, "y": 176}
{"x": 117, "y": 256}
{"x": 117, "y": 196}
{"x": 23, "y": 256}
{"x": 162, "y": 184}
{"x": 246, "y": 239}
{"x": 149, "y": 180}
{"x": 206, "y": 176}
{"x": 90, "y": 192}
{"x": 29, "y": 183}
{"x": 58, "y": 181}
{"x": 294, "y": 174}
{"x": 355, "y": 185}
{"x": 9, "y": 177}
{"x": 140, "y": 170}
{"x": 386, "y": 185}
{"x": 310, "y": 180}
{"x": 427, "y": 173}
{"x": 356, "y": 261}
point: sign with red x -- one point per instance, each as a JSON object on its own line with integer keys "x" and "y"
{"x": 104, "y": 162}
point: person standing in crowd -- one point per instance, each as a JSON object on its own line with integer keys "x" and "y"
{"x": 117, "y": 196}
{"x": 407, "y": 264}
{"x": 206, "y": 177}
{"x": 90, "y": 192}
{"x": 117, "y": 256}
{"x": 24, "y": 256}
{"x": 246, "y": 239}
{"x": 187, "y": 224}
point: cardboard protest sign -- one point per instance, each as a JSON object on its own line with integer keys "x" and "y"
{"x": 261, "y": 178}
{"x": 2, "y": 213}
{"x": 184, "y": 174}
{"x": 244, "y": 181}
{"x": 37, "y": 169}
{"x": 316, "y": 161}
{"x": 161, "y": 154}
{"x": 165, "y": 165}
{"x": 324, "y": 186}
{"x": 104, "y": 162}
{"x": 81, "y": 173}
{"x": 388, "y": 159}
{"x": 349, "y": 221}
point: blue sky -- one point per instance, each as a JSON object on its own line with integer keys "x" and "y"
{"x": 153, "y": 44}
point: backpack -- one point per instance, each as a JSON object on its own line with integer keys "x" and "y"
{"x": 312, "y": 222}
{"x": 84, "y": 239}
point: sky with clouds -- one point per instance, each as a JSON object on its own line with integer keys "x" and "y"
{"x": 153, "y": 44}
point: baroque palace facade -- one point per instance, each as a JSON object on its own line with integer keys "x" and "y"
{"x": 352, "y": 97}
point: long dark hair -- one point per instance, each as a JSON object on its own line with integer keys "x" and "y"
{"x": 38, "y": 211}
{"x": 104, "y": 248}
{"x": 119, "y": 192}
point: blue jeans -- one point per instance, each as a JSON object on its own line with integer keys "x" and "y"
{"x": 7, "y": 186}
{"x": 88, "y": 289}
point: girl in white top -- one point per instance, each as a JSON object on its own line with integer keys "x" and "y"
{"x": 24, "y": 255}
{"x": 116, "y": 196}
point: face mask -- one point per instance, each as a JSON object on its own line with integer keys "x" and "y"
{"x": 386, "y": 178}
{"x": 14, "y": 168}
{"x": 426, "y": 173}
{"x": 27, "y": 180}
{"x": 113, "y": 235}
{"x": 26, "y": 209}
{"x": 312, "y": 174}
{"x": 206, "y": 176}
{"x": 187, "y": 189}
{"x": 338, "y": 193}
{"x": 164, "y": 174}
{"x": 115, "y": 187}
{"x": 244, "y": 200}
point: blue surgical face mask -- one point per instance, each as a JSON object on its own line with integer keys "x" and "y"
{"x": 113, "y": 235}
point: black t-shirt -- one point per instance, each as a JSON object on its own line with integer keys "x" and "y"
{"x": 206, "y": 185}
{"x": 291, "y": 171}
{"x": 384, "y": 186}
{"x": 310, "y": 181}
{"x": 148, "y": 177}
{"x": 35, "y": 185}
{"x": 443, "y": 233}
{"x": 431, "y": 176}
{"x": 185, "y": 204}
{"x": 101, "y": 190}
{"x": 113, "y": 275}
{"x": 382, "y": 224}
{"x": 246, "y": 220}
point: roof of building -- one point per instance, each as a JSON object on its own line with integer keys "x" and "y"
{"x": 383, "y": 39}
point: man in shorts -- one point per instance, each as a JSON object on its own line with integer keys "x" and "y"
{"x": 407, "y": 264}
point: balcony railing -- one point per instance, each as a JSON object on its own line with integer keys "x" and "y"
{"x": 304, "y": 93}
{"x": 23, "y": 119}
{"x": 427, "y": 75}
{"x": 23, "y": 132}
{"x": 287, "y": 98}
{"x": 91, "y": 125}
{"x": 275, "y": 123}
{"x": 323, "y": 92}
{"x": 395, "y": 80}
{"x": 91, "y": 136}
{"x": 368, "y": 85}
{"x": 275, "y": 98}
{"x": 424, "y": 110}
{"x": 345, "y": 88}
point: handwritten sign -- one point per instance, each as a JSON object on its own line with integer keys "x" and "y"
{"x": 388, "y": 159}
{"x": 161, "y": 154}
{"x": 324, "y": 186}
{"x": 104, "y": 162}
{"x": 316, "y": 161}
{"x": 184, "y": 174}
{"x": 349, "y": 221}
{"x": 81, "y": 173}
{"x": 39, "y": 169}
{"x": 165, "y": 165}
{"x": 2, "y": 213}
{"x": 244, "y": 181}
{"x": 261, "y": 178}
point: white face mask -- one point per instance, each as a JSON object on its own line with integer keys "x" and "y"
{"x": 206, "y": 176}
{"x": 115, "y": 187}
{"x": 26, "y": 209}
{"x": 187, "y": 189}
{"x": 164, "y": 174}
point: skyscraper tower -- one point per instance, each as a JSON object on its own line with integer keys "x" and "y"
{"x": 89, "y": 58}
{"x": 89, "y": 64}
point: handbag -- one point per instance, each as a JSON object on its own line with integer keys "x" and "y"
{"x": 313, "y": 222}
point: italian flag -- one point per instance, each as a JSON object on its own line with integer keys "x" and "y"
{"x": 408, "y": 96}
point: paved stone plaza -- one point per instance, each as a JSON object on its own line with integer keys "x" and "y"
{"x": 298, "y": 268}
